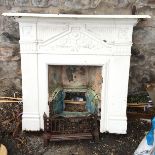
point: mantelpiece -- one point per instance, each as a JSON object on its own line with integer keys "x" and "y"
{"x": 82, "y": 40}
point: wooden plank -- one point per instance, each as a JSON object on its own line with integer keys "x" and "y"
{"x": 132, "y": 104}
{"x": 8, "y": 101}
{"x": 77, "y": 136}
{"x": 135, "y": 115}
{"x": 136, "y": 106}
{"x": 11, "y": 98}
{"x": 75, "y": 102}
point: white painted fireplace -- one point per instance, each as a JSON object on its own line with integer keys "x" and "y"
{"x": 81, "y": 40}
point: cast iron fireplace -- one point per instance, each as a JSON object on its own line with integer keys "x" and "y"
{"x": 75, "y": 40}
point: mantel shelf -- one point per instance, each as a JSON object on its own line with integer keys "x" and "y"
{"x": 35, "y": 15}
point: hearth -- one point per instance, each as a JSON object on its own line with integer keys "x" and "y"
{"x": 72, "y": 44}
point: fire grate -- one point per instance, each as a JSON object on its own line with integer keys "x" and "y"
{"x": 70, "y": 128}
{"x": 69, "y": 125}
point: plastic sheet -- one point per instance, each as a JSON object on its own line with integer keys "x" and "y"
{"x": 147, "y": 145}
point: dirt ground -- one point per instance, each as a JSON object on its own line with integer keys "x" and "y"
{"x": 23, "y": 143}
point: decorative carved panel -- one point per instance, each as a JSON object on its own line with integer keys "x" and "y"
{"x": 76, "y": 40}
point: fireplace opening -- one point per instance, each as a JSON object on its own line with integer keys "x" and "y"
{"x": 74, "y": 102}
{"x": 75, "y": 89}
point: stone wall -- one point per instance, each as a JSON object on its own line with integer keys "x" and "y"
{"x": 143, "y": 51}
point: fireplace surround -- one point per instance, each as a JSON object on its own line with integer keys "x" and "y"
{"x": 77, "y": 40}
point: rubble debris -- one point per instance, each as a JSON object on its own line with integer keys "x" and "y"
{"x": 138, "y": 98}
{"x": 151, "y": 91}
{"x": 26, "y": 143}
{"x": 142, "y": 105}
{"x": 13, "y": 120}
{"x": 138, "y": 115}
